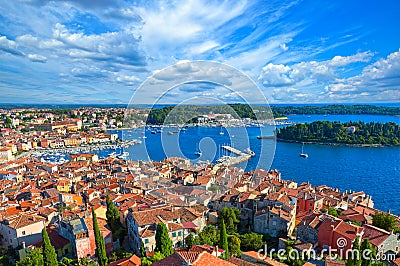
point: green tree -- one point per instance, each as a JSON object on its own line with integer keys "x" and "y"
{"x": 189, "y": 241}
{"x": 87, "y": 262}
{"x": 251, "y": 241}
{"x": 163, "y": 242}
{"x": 5, "y": 261}
{"x": 355, "y": 257}
{"x": 142, "y": 250}
{"x": 384, "y": 220}
{"x": 332, "y": 211}
{"x": 223, "y": 238}
{"x": 112, "y": 215}
{"x": 119, "y": 254}
{"x": 67, "y": 262}
{"x": 155, "y": 257}
{"x": 49, "y": 253}
{"x": 99, "y": 240}
{"x": 34, "y": 258}
{"x": 208, "y": 236}
{"x": 234, "y": 245}
{"x": 369, "y": 255}
{"x": 230, "y": 217}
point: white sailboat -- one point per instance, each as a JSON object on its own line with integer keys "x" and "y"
{"x": 198, "y": 152}
{"x": 302, "y": 154}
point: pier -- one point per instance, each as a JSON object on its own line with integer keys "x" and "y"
{"x": 233, "y": 150}
{"x": 230, "y": 160}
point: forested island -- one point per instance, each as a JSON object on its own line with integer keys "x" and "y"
{"x": 336, "y": 109}
{"x": 189, "y": 113}
{"x": 354, "y": 133}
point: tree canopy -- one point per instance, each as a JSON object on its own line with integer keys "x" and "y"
{"x": 385, "y": 221}
{"x": 163, "y": 242}
{"x": 99, "y": 240}
{"x": 358, "y": 133}
{"x": 251, "y": 241}
{"x": 223, "y": 238}
{"x": 230, "y": 217}
{"x": 34, "y": 258}
{"x": 49, "y": 253}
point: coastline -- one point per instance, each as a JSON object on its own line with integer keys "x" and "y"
{"x": 337, "y": 144}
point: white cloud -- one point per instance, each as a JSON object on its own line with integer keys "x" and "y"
{"x": 9, "y": 46}
{"x": 117, "y": 43}
{"x": 37, "y": 58}
{"x": 276, "y": 75}
{"x": 321, "y": 82}
{"x": 379, "y": 81}
{"x": 203, "y": 47}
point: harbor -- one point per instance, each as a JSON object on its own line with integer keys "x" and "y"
{"x": 61, "y": 155}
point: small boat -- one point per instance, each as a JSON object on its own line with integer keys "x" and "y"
{"x": 170, "y": 132}
{"x": 221, "y": 132}
{"x": 265, "y": 137}
{"x": 198, "y": 153}
{"x": 302, "y": 154}
{"x": 153, "y": 132}
{"x": 249, "y": 152}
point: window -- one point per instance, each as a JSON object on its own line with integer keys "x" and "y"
{"x": 146, "y": 240}
{"x": 173, "y": 234}
{"x": 23, "y": 233}
{"x": 310, "y": 204}
{"x": 179, "y": 233}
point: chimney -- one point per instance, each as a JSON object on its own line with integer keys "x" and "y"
{"x": 216, "y": 251}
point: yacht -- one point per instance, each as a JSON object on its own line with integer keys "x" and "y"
{"x": 302, "y": 154}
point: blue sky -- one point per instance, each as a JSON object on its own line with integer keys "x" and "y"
{"x": 84, "y": 51}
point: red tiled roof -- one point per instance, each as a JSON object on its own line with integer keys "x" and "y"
{"x": 241, "y": 262}
{"x": 132, "y": 261}
{"x": 206, "y": 259}
{"x": 56, "y": 240}
{"x": 189, "y": 225}
{"x": 375, "y": 235}
{"x": 172, "y": 260}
